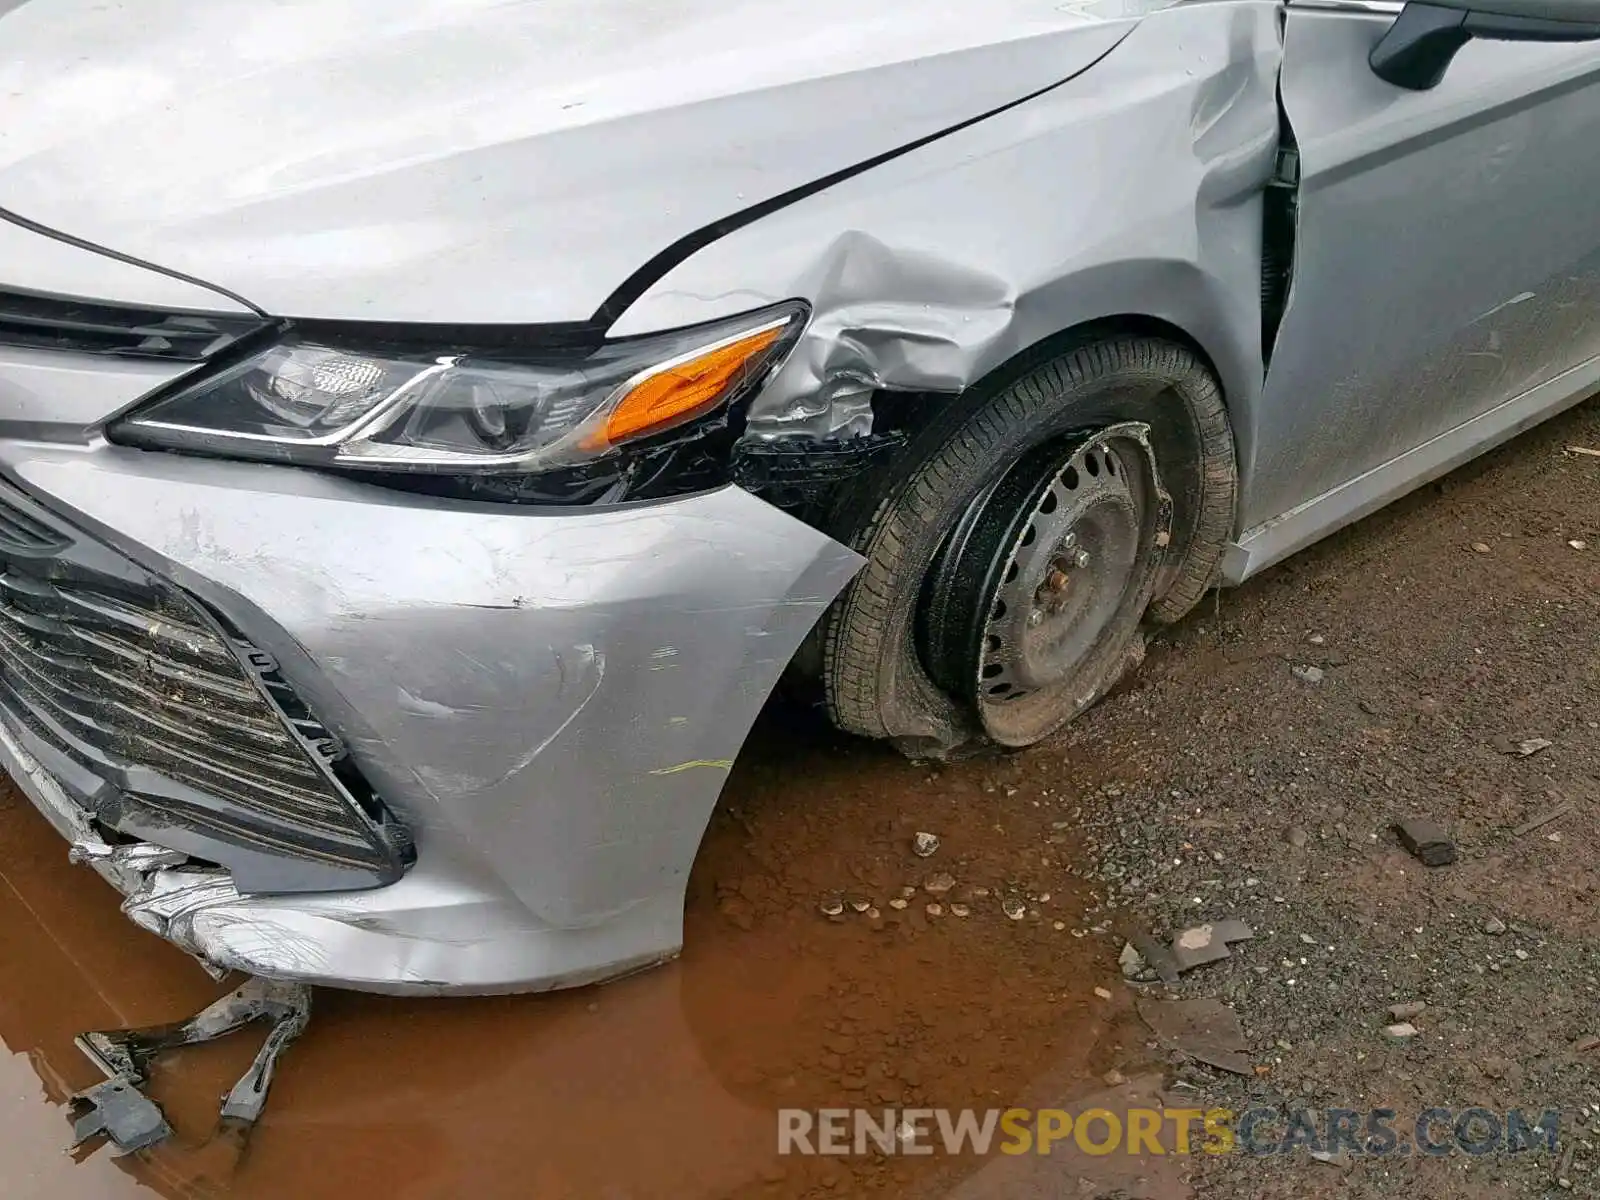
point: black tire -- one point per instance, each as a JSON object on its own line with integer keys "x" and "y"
{"x": 874, "y": 683}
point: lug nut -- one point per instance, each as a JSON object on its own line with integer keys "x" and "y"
{"x": 1083, "y": 558}
{"x": 1034, "y": 618}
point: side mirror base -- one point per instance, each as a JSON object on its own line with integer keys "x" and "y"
{"x": 1418, "y": 48}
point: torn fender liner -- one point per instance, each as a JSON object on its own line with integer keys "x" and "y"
{"x": 118, "y": 1112}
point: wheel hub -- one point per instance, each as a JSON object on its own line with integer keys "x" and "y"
{"x": 1033, "y": 601}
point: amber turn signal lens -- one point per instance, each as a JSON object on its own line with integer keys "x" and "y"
{"x": 684, "y": 391}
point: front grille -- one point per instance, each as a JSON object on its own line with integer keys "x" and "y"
{"x": 92, "y": 327}
{"x": 165, "y": 724}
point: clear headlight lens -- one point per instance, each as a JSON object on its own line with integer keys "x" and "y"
{"x": 309, "y": 401}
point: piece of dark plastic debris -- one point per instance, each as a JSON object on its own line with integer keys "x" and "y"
{"x": 1543, "y": 819}
{"x": 120, "y": 1113}
{"x": 1427, "y": 841}
{"x": 1204, "y": 1030}
{"x": 1207, "y": 943}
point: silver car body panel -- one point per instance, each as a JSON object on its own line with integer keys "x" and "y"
{"x": 550, "y": 700}
{"x": 1446, "y": 288}
{"x": 388, "y": 160}
{"x": 935, "y": 268}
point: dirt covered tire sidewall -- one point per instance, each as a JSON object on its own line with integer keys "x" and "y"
{"x": 873, "y": 680}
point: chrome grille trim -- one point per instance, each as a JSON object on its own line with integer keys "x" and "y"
{"x": 189, "y": 734}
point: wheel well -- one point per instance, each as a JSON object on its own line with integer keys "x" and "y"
{"x": 908, "y": 412}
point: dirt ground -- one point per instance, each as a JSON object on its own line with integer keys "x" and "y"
{"x": 1221, "y": 783}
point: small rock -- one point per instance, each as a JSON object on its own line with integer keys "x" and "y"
{"x": 1306, "y": 673}
{"x": 1494, "y": 926}
{"x": 1103, "y": 993}
{"x": 1058, "y": 926}
{"x": 1407, "y": 1011}
{"x": 1316, "y": 639}
{"x": 1480, "y": 547}
{"x": 1013, "y": 908}
{"x": 1297, "y": 837}
{"x": 860, "y": 905}
{"x": 924, "y": 845}
{"x": 831, "y": 906}
{"x": 1427, "y": 841}
{"x": 938, "y": 885}
{"x": 1341, "y": 1158}
{"x": 960, "y": 910}
{"x": 1522, "y": 955}
{"x": 934, "y": 910}
{"x": 899, "y": 903}
{"x": 980, "y": 893}
{"x": 1308, "y": 939}
{"x": 1530, "y": 746}
{"x": 1401, "y": 1031}
{"x": 1114, "y": 1078}
{"x": 1578, "y": 544}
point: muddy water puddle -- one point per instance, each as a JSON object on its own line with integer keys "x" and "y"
{"x": 664, "y": 1085}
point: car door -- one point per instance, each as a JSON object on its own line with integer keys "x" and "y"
{"x": 1446, "y": 263}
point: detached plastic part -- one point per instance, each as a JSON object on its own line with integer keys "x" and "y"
{"x": 117, "y": 1111}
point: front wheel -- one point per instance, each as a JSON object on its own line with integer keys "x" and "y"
{"x": 1015, "y": 549}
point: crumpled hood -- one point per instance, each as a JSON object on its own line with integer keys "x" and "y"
{"x": 478, "y": 160}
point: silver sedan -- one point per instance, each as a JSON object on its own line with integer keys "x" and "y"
{"x": 429, "y": 428}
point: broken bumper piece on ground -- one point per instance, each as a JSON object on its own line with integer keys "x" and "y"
{"x": 118, "y": 1112}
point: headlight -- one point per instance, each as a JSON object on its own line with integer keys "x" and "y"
{"x": 318, "y": 401}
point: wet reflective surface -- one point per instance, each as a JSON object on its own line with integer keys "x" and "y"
{"x": 666, "y": 1084}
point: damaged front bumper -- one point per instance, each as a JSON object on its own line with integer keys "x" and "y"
{"x": 546, "y": 701}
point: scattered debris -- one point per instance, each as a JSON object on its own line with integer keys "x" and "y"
{"x": 1563, "y": 1172}
{"x": 1306, "y": 673}
{"x": 1578, "y": 544}
{"x": 118, "y": 1112}
{"x": 938, "y": 885}
{"x": 1480, "y": 547}
{"x": 935, "y": 910}
{"x": 1407, "y": 1011}
{"x": 1013, "y": 908}
{"x": 1520, "y": 954}
{"x": 1583, "y": 450}
{"x": 1522, "y": 747}
{"x": 899, "y": 902}
{"x": 1494, "y": 926}
{"x": 1543, "y": 819}
{"x": 1208, "y": 943}
{"x": 924, "y": 845}
{"x": 1339, "y": 1158}
{"x": 1114, "y": 1078}
{"x": 1401, "y": 1031}
{"x": 831, "y": 906}
{"x": 1203, "y": 1029}
{"x": 1585, "y": 1044}
{"x": 1103, "y": 993}
{"x": 1427, "y": 841}
{"x": 960, "y": 910}
{"x": 1316, "y": 639}
{"x": 859, "y": 905}
{"x": 1297, "y": 837}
